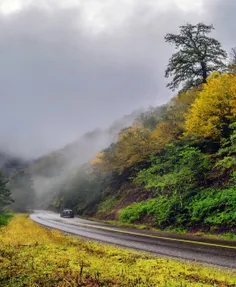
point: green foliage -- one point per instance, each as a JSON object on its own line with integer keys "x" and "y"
{"x": 208, "y": 208}
{"x": 5, "y": 217}
{"x": 176, "y": 175}
{"x": 161, "y": 209}
{"x": 214, "y": 208}
{"x": 227, "y": 152}
{"x": 178, "y": 170}
{"x": 197, "y": 57}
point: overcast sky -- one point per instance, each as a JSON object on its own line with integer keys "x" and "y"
{"x": 69, "y": 66}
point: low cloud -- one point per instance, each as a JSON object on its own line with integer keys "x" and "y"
{"x": 67, "y": 68}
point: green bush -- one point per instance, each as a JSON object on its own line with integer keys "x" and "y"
{"x": 215, "y": 208}
{"x": 4, "y": 218}
{"x": 209, "y": 208}
{"x": 163, "y": 210}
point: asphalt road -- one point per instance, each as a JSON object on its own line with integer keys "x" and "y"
{"x": 211, "y": 251}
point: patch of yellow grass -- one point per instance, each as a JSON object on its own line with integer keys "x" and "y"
{"x": 31, "y": 255}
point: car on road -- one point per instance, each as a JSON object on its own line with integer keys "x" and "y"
{"x": 67, "y": 213}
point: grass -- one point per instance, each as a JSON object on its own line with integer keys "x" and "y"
{"x": 31, "y": 255}
{"x": 4, "y": 218}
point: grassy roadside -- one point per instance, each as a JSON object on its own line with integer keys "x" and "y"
{"x": 226, "y": 236}
{"x": 31, "y": 255}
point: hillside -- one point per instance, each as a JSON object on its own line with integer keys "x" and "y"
{"x": 51, "y": 172}
{"x": 174, "y": 168}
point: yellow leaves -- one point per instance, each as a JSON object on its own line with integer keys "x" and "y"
{"x": 214, "y": 109}
{"x": 133, "y": 146}
{"x": 103, "y": 161}
{"x": 163, "y": 132}
{"x": 98, "y": 160}
{"x": 210, "y": 107}
{"x": 185, "y": 99}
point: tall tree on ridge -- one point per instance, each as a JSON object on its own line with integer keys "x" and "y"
{"x": 198, "y": 55}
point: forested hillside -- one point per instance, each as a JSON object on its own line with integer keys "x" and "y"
{"x": 175, "y": 166}
{"x": 53, "y": 171}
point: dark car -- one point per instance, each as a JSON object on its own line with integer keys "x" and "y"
{"x": 67, "y": 213}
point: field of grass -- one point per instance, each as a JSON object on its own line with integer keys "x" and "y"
{"x": 31, "y": 255}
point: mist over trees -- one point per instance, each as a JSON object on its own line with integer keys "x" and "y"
{"x": 23, "y": 193}
{"x": 5, "y": 193}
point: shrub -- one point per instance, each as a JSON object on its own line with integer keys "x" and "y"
{"x": 4, "y": 218}
{"x": 208, "y": 208}
{"x": 215, "y": 208}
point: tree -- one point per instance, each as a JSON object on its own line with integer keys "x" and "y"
{"x": 214, "y": 110}
{"x": 198, "y": 55}
{"x": 5, "y": 193}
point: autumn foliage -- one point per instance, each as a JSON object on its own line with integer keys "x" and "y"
{"x": 173, "y": 156}
{"x": 214, "y": 109}
{"x": 205, "y": 111}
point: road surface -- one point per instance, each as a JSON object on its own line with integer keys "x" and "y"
{"x": 217, "y": 252}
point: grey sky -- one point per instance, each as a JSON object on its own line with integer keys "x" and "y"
{"x": 69, "y": 66}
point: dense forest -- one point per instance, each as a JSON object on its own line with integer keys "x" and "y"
{"x": 174, "y": 167}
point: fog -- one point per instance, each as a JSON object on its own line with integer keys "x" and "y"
{"x": 68, "y": 67}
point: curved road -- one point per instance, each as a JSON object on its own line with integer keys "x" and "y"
{"x": 217, "y": 252}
